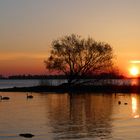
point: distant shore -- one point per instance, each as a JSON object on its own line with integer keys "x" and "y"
{"x": 76, "y": 89}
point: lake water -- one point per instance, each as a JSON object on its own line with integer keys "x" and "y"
{"x": 51, "y": 116}
{"x": 32, "y": 82}
{"x": 27, "y": 83}
{"x": 17, "y": 83}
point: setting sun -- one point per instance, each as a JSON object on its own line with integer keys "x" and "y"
{"x": 134, "y": 71}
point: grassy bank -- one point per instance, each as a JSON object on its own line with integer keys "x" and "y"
{"x": 80, "y": 89}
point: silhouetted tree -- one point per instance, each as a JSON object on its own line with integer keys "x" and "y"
{"x": 77, "y": 57}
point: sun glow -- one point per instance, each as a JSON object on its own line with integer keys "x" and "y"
{"x": 135, "y": 61}
{"x": 134, "y": 71}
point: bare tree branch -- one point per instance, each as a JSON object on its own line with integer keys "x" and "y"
{"x": 75, "y": 56}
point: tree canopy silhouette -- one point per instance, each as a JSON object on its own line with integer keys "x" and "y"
{"x": 77, "y": 57}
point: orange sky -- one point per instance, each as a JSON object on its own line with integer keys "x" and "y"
{"x": 28, "y": 27}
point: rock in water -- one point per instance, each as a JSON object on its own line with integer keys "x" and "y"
{"x": 26, "y": 135}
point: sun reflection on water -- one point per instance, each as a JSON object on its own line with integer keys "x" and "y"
{"x": 134, "y": 108}
{"x": 134, "y": 104}
{"x": 134, "y": 82}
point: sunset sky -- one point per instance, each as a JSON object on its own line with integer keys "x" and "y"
{"x": 27, "y": 28}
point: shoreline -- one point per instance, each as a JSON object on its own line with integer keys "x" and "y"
{"x": 76, "y": 89}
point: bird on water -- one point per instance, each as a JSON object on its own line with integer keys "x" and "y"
{"x": 29, "y": 96}
{"x": 4, "y": 98}
{"x": 119, "y": 102}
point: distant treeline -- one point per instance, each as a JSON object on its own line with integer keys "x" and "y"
{"x": 33, "y": 77}
{"x": 97, "y": 76}
{"x": 2, "y": 77}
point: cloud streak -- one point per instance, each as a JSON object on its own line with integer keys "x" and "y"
{"x": 135, "y": 61}
{"x": 13, "y": 56}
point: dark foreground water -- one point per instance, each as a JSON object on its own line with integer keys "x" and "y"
{"x": 75, "y": 117}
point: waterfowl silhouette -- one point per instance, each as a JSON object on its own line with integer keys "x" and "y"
{"x": 29, "y": 96}
{"x": 4, "y": 98}
{"x": 119, "y": 102}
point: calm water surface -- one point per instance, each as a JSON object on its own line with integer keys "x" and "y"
{"x": 32, "y": 82}
{"x": 70, "y": 116}
{"x": 28, "y": 82}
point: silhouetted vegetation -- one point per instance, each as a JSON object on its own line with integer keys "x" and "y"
{"x": 2, "y": 77}
{"x": 76, "y": 89}
{"x": 78, "y": 58}
{"x": 102, "y": 75}
{"x": 36, "y": 77}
